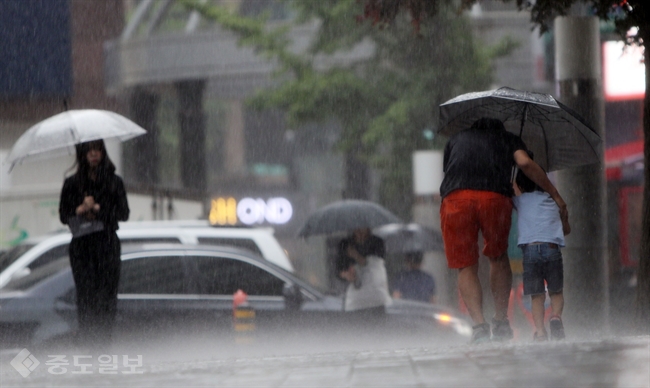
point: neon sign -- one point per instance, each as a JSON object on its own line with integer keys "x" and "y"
{"x": 250, "y": 211}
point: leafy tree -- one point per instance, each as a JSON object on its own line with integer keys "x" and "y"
{"x": 384, "y": 104}
{"x": 625, "y": 14}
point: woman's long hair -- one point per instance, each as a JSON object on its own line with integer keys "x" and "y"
{"x": 105, "y": 168}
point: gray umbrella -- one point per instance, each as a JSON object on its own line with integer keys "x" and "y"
{"x": 410, "y": 238}
{"x": 346, "y": 215}
{"x": 557, "y": 135}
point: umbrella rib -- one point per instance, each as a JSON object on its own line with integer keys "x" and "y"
{"x": 523, "y": 119}
{"x": 583, "y": 136}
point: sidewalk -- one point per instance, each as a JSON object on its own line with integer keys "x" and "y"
{"x": 614, "y": 362}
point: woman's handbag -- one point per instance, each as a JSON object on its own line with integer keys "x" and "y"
{"x": 81, "y": 226}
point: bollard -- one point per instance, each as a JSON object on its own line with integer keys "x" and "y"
{"x": 243, "y": 318}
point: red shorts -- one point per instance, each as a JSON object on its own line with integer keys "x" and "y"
{"x": 463, "y": 214}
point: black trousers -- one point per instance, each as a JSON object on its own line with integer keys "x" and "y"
{"x": 95, "y": 262}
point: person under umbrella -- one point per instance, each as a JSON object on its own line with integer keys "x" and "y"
{"x": 92, "y": 202}
{"x": 360, "y": 260}
{"x": 361, "y": 263}
{"x": 477, "y": 196}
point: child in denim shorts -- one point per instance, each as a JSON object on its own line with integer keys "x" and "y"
{"x": 541, "y": 235}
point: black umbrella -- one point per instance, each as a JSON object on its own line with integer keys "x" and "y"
{"x": 346, "y": 215}
{"x": 557, "y": 135}
{"x": 410, "y": 238}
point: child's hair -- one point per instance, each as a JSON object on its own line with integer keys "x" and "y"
{"x": 526, "y": 185}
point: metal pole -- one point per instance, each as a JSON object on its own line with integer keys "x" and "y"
{"x": 578, "y": 75}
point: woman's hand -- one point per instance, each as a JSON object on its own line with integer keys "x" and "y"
{"x": 349, "y": 274}
{"x": 89, "y": 202}
{"x": 358, "y": 257}
{"x": 87, "y": 205}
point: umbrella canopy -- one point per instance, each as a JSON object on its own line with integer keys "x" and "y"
{"x": 410, "y": 238}
{"x": 58, "y": 135}
{"x": 346, "y": 215}
{"x": 558, "y": 137}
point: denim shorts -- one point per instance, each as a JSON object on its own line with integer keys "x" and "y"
{"x": 542, "y": 262}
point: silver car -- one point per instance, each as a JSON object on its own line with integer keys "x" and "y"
{"x": 177, "y": 290}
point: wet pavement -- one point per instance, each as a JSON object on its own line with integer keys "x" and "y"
{"x": 610, "y": 362}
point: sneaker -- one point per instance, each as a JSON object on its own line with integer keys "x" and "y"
{"x": 557, "y": 328}
{"x": 540, "y": 337}
{"x": 480, "y": 333}
{"x": 501, "y": 331}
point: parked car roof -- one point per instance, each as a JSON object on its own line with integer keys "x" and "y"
{"x": 35, "y": 251}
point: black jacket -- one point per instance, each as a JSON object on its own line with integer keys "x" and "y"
{"x": 109, "y": 193}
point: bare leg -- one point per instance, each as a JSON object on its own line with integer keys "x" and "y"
{"x": 557, "y": 303}
{"x": 501, "y": 285}
{"x": 469, "y": 286}
{"x": 538, "y": 313}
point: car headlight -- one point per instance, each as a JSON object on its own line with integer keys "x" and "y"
{"x": 460, "y": 326}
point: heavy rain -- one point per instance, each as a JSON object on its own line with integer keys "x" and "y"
{"x": 274, "y": 193}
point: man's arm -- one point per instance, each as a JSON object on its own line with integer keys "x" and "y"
{"x": 537, "y": 175}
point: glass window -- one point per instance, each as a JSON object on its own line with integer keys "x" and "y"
{"x": 150, "y": 240}
{"x": 223, "y": 276}
{"x": 13, "y": 254}
{"x": 243, "y": 243}
{"x": 36, "y": 276}
{"x": 153, "y": 275}
{"x": 58, "y": 252}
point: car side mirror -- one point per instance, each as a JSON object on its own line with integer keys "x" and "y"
{"x": 292, "y": 296}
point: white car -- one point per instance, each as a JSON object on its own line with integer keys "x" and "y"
{"x": 37, "y": 251}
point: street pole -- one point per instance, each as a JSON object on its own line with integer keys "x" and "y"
{"x": 578, "y": 75}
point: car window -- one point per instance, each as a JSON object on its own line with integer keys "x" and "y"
{"x": 224, "y": 276}
{"x": 13, "y": 254}
{"x": 153, "y": 275}
{"x": 40, "y": 273}
{"x": 244, "y": 243}
{"x": 58, "y": 252}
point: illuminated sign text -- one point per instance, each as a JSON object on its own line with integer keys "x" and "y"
{"x": 250, "y": 211}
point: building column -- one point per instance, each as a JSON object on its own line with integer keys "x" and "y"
{"x": 578, "y": 75}
{"x": 192, "y": 135}
{"x": 235, "y": 141}
{"x": 143, "y": 164}
{"x": 357, "y": 175}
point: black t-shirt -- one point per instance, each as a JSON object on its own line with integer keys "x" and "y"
{"x": 480, "y": 159}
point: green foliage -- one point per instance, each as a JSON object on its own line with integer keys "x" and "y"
{"x": 625, "y": 14}
{"x": 383, "y": 103}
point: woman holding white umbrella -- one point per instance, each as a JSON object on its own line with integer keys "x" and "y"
{"x": 93, "y": 200}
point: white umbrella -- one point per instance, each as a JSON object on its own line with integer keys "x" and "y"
{"x": 58, "y": 135}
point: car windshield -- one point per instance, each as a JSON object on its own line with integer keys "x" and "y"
{"x": 13, "y": 254}
{"x": 25, "y": 282}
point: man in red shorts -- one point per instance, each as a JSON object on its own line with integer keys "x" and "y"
{"x": 476, "y": 196}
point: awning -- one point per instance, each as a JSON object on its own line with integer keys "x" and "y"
{"x": 621, "y": 158}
